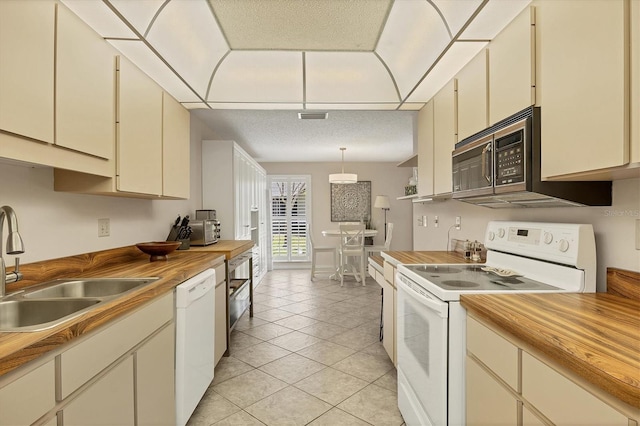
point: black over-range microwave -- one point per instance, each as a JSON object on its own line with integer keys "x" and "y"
{"x": 499, "y": 167}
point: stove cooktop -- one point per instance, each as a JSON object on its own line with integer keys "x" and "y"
{"x": 472, "y": 278}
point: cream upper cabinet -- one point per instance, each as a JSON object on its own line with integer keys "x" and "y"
{"x": 175, "y": 149}
{"x": 85, "y": 88}
{"x": 425, "y": 149}
{"x": 444, "y": 136}
{"x": 583, "y": 82}
{"x": 512, "y": 77}
{"x": 635, "y": 84}
{"x": 473, "y": 96}
{"x": 139, "y": 134}
{"x": 27, "y": 34}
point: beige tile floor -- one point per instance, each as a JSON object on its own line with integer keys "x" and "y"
{"x": 310, "y": 355}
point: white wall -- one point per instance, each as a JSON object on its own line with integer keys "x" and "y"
{"x": 57, "y": 224}
{"x": 386, "y": 179}
{"x": 614, "y": 226}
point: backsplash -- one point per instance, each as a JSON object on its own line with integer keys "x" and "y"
{"x": 614, "y": 226}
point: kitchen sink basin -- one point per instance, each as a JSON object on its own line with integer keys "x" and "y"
{"x": 49, "y": 304}
{"x": 35, "y": 315}
{"x": 91, "y": 287}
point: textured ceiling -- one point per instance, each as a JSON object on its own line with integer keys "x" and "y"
{"x": 322, "y": 25}
{"x": 279, "y": 136}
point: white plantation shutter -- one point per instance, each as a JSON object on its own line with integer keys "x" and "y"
{"x": 289, "y": 211}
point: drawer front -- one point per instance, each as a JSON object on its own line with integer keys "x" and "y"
{"x": 389, "y": 273}
{"x": 380, "y": 280}
{"x": 29, "y": 397}
{"x": 494, "y": 351}
{"x": 577, "y": 406}
{"x": 221, "y": 273}
{"x": 83, "y": 361}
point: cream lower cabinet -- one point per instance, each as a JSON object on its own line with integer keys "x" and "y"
{"x": 390, "y": 308}
{"x": 108, "y": 401}
{"x": 155, "y": 379}
{"x": 25, "y": 399}
{"x": 488, "y": 402}
{"x": 121, "y": 374}
{"x": 220, "y": 326}
{"x": 506, "y": 384}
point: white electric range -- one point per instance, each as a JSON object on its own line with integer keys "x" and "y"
{"x": 522, "y": 257}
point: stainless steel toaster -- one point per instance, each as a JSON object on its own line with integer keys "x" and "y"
{"x": 203, "y": 232}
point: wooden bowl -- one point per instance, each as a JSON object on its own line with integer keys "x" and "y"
{"x": 158, "y": 250}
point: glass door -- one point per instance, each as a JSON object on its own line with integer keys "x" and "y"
{"x": 290, "y": 197}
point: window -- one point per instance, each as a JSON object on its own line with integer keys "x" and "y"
{"x": 289, "y": 202}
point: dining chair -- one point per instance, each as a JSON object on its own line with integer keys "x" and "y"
{"x": 315, "y": 249}
{"x": 387, "y": 242}
{"x": 352, "y": 247}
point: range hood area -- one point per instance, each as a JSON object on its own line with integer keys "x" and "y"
{"x": 511, "y": 152}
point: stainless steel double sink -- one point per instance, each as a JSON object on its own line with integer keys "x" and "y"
{"x": 54, "y": 302}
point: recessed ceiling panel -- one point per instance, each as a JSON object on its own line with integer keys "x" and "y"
{"x": 245, "y": 76}
{"x": 355, "y": 107}
{"x": 188, "y": 38}
{"x": 150, "y": 64}
{"x": 457, "y": 12}
{"x": 413, "y": 38}
{"x": 99, "y": 17}
{"x": 411, "y": 106}
{"x": 493, "y": 18}
{"x": 254, "y": 106}
{"x": 301, "y": 24}
{"x": 139, "y": 13}
{"x": 457, "y": 57}
{"x": 335, "y": 77}
{"x": 195, "y": 105}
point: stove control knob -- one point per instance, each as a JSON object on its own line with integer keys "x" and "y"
{"x": 564, "y": 245}
{"x": 492, "y": 235}
{"x": 548, "y": 237}
{"x": 501, "y": 232}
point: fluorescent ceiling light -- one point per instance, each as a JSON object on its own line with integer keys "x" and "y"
{"x": 312, "y": 115}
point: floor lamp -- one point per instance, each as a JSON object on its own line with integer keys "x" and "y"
{"x": 382, "y": 202}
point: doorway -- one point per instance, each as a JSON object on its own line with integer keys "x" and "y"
{"x": 290, "y": 197}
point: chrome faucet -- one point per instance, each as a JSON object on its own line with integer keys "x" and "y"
{"x": 14, "y": 246}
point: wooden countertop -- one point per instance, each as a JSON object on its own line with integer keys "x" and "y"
{"x": 415, "y": 257}
{"x": 596, "y": 336}
{"x": 17, "y": 349}
{"x": 230, "y": 248}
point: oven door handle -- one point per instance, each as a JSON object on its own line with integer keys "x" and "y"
{"x": 439, "y": 307}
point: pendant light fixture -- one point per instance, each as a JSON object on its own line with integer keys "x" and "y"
{"x": 343, "y": 177}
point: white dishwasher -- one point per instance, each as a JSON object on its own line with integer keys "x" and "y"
{"x": 195, "y": 319}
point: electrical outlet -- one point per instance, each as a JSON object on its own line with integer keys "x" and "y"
{"x": 435, "y": 221}
{"x": 637, "y": 234}
{"x": 103, "y": 227}
{"x": 458, "y": 220}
